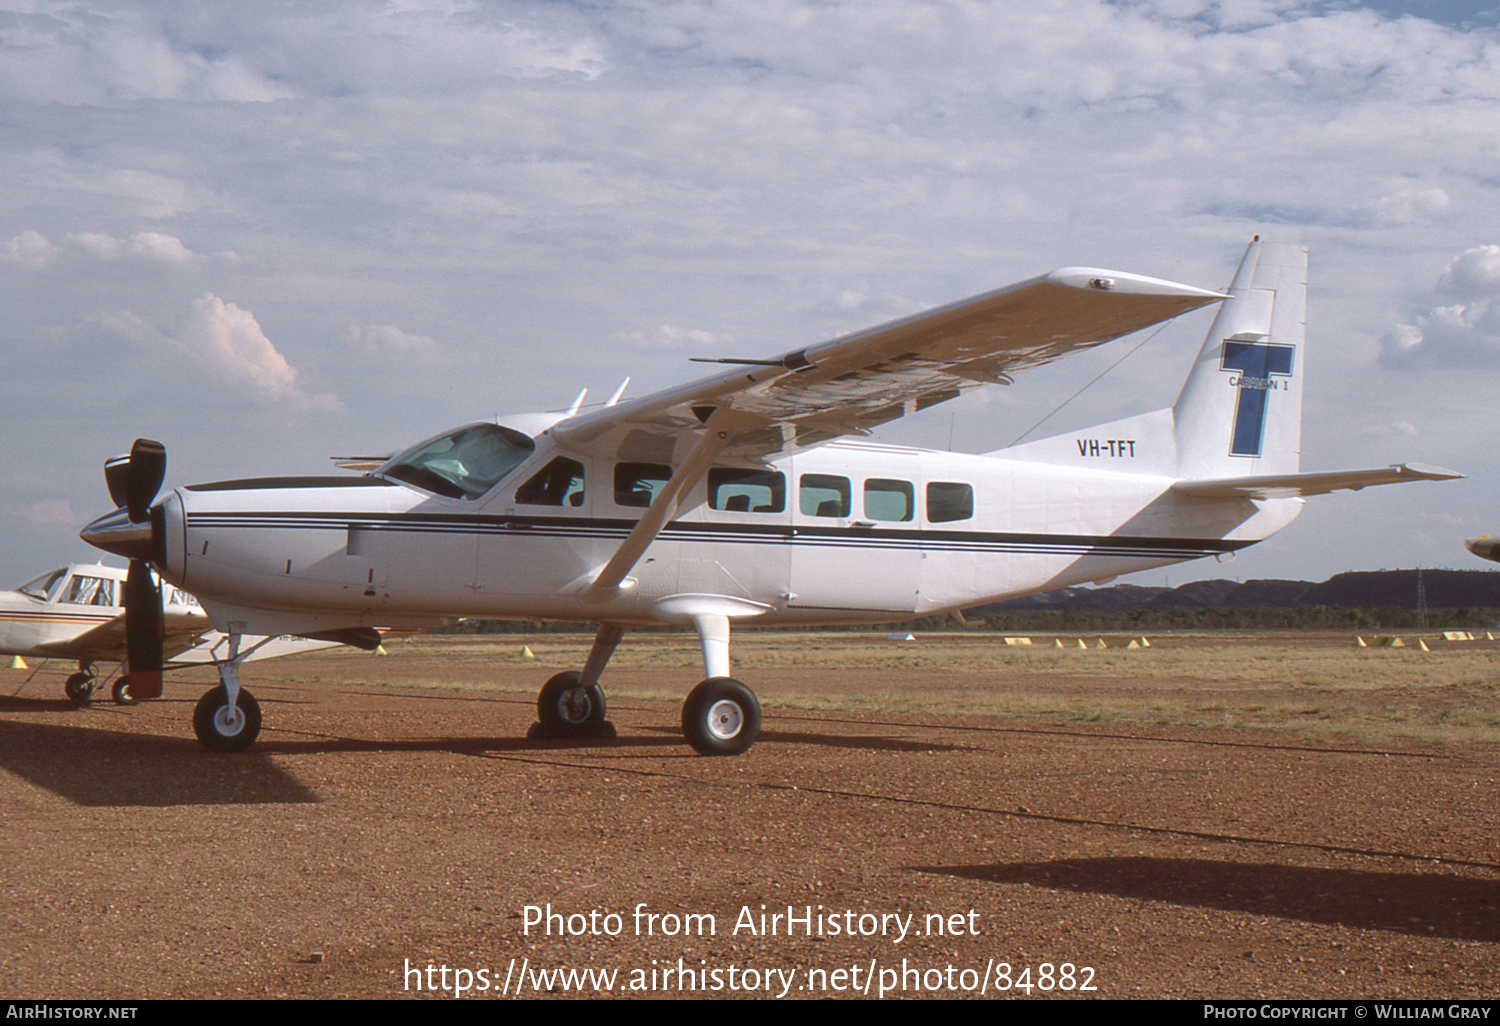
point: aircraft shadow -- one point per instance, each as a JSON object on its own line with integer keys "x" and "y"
{"x": 652, "y": 737}
{"x": 865, "y": 742}
{"x": 1460, "y": 908}
{"x": 108, "y": 768}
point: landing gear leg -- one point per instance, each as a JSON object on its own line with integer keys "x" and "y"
{"x": 227, "y": 719}
{"x": 721, "y": 715}
{"x": 572, "y": 704}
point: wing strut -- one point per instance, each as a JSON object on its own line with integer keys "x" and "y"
{"x": 719, "y": 430}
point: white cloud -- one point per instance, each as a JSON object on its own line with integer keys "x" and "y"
{"x": 1413, "y": 206}
{"x": 47, "y": 512}
{"x": 672, "y": 338}
{"x": 230, "y": 340}
{"x": 1463, "y": 333}
{"x": 153, "y": 247}
{"x": 30, "y": 248}
{"x": 387, "y": 339}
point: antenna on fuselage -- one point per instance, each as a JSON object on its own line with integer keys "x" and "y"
{"x": 577, "y": 403}
{"x": 618, "y": 392}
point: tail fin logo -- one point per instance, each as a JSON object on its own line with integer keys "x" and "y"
{"x": 1253, "y": 364}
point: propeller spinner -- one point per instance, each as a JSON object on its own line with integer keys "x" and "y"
{"x": 133, "y": 531}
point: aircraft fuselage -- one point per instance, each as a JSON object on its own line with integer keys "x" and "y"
{"x": 847, "y": 532}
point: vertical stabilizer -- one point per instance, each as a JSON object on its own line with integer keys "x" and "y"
{"x": 1240, "y": 412}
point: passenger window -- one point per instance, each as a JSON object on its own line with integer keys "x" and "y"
{"x": 559, "y": 483}
{"x": 746, "y": 491}
{"x": 948, "y": 501}
{"x": 889, "y": 500}
{"x": 823, "y": 495}
{"x": 636, "y": 484}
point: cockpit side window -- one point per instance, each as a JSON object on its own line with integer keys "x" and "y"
{"x": 84, "y": 590}
{"x": 462, "y": 464}
{"x": 559, "y": 483}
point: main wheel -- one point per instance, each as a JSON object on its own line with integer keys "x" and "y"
{"x": 721, "y": 717}
{"x": 568, "y": 709}
{"x": 79, "y": 687}
{"x": 221, "y": 732}
{"x": 121, "y": 693}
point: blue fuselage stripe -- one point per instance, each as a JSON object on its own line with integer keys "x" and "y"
{"x": 799, "y": 535}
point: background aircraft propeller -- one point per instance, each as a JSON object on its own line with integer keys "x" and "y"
{"x": 133, "y": 483}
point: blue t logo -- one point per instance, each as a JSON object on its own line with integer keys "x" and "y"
{"x": 1255, "y": 362}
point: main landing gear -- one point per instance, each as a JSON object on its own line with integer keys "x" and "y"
{"x": 80, "y": 687}
{"x": 721, "y": 716}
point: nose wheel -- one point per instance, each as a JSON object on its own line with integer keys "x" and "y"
{"x": 79, "y": 687}
{"x": 721, "y": 717}
{"x": 566, "y": 708}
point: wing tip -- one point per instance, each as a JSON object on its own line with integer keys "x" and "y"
{"x": 1097, "y": 279}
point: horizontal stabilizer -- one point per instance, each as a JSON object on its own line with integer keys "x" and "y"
{"x": 1286, "y": 486}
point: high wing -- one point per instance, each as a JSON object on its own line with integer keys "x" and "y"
{"x": 1285, "y": 486}
{"x": 850, "y": 385}
{"x": 855, "y": 383}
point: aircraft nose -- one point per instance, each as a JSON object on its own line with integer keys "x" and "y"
{"x": 1484, "y": 547}
{"x": 114, "y": 533}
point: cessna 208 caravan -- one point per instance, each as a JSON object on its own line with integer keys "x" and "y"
{"x": 742, "y": 497}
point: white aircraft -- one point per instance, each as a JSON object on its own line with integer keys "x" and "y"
{"x": 1484, "y": 547}
{"x": 77, "y": 613}
{"x": 746, "y": 496}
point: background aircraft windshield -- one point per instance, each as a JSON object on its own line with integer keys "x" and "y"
{"x": 42, "y": 586}
{"x": 462, "y": 464}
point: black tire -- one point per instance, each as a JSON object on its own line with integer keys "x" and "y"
{"x": 721, "y": 717}
{"x": 79, "y": 687}
{"x": 215, "y": 733}
{"x": 567, "y": 709}
{"x": 121, "y": 693}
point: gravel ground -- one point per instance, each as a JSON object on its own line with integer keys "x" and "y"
{"x": 385, "y": 842}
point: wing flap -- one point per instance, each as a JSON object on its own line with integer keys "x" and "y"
{"x": 854, "y": 383}
{"x": 1286, "y": 486}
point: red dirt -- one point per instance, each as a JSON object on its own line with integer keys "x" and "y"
{"x": 375, "y": 830}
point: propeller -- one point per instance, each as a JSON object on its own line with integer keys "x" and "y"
{"x": 133, "y": 483}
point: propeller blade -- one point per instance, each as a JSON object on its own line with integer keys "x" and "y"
{"x": 145, "y": 472}
{"x": 116, "y": 473}
{"x": 143, "y": 631}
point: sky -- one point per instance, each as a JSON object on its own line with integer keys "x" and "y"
{"x": 269, "y": 234}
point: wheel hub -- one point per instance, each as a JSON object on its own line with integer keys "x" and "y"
{"x": 725, "y": 718}
{"x": 229, "y": 722}
{"x": 574, "y": 705}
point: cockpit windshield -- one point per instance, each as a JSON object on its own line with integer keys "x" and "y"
{"x": 42, "y": 586}
{"x": 462, "y": 464}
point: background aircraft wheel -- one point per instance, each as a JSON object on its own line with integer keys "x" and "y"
{"x": 721, "y": 717}
{"x": 567, "y": 709}
{"x": 121, "y": 694}
{"x": 217, "y": 730}
{"x": 79, "y": 687}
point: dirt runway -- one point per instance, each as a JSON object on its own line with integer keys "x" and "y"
{"x": 387, "y": 842}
